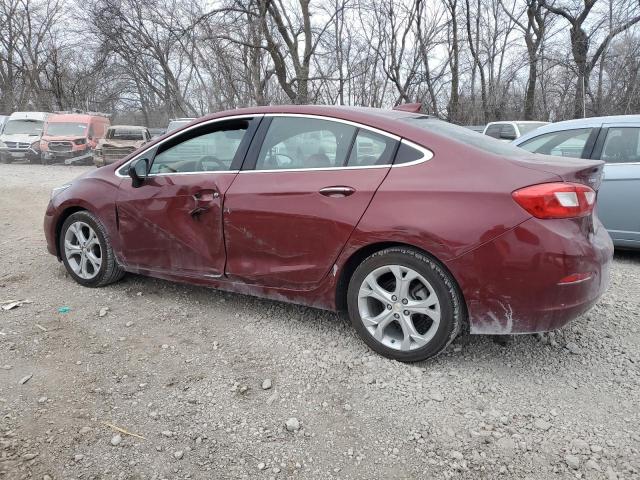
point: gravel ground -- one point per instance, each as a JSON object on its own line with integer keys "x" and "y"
{"x": 219, "y": 385}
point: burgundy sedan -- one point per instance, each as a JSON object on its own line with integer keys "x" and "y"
{"x": 415, "y": 227}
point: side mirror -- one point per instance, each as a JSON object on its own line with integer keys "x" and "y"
{"x": 138, "y": 170}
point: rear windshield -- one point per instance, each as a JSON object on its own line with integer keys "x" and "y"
{"x": 465, "y": 135}
{"x": 23, "y": 127}
{"x": 71, "y": 129}
{"x": 527, "y": 127}
{"x": 125, "y": 134}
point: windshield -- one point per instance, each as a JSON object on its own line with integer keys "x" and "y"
{"x": 527, "y": 127}
{"x": 71, "y": 129}
{"x": 23, "y": 127}
{"x": 125, "y": 134}
{"x": 465, "y": 135}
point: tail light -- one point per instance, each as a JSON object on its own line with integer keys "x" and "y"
{"x": 556, "y": 200}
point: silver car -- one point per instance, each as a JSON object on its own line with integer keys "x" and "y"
{"x": 616, "y": 140}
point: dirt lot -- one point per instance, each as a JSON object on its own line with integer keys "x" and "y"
{"x": 184, "y": 368}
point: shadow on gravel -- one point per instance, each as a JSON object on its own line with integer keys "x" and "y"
{"x": 630, "y": 256}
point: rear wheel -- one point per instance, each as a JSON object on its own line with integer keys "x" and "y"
{"x": 86, "y": 251}
{"x": 404, "y": 305}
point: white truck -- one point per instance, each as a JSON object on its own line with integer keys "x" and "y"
{"x": 508, "y": 131}
{"x": 20, "y": 138}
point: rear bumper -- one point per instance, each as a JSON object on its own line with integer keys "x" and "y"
{"x": 511, "y": 284}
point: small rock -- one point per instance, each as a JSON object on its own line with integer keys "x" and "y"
{"x": 128, "y": 324}
{"x": 42, "y": 400}
{"x": 103, "y": 311}
{"x": 178, "y": 454}
{"x": 78, "y": 457}
{"x": 572, "y": 461}
{"x": 7, "y": 367}
{"x": 116, "y": 440}
{"x": 457, "y": 455}
{"x": 261, "y": 466}
{"x": 541, "y": 424}
{"x": 29, "y": 456}
{"x": 46, "y": 477}
{"x": 347, "y": 407}
{"x": 276, "y": 470}
{"x": 85, "y": 430}
{"x": 436, "y": 396}
{"x": 266, "y": 384}
{"x": 293, "y": 425}
{"x": 592, "y": 465}
{"x": 580, "y": 446}
{"x": 574, "y": 348}
{"x": 25, "y": 379}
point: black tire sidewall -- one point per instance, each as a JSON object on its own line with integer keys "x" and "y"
{"x": 89, "y": 220}
{"x": 451, "y": 310}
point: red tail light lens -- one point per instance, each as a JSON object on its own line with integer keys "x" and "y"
{"x": 556, "y": 200}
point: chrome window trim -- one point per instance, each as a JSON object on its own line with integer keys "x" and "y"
{"x": 155, "y": 145}
{"x": 617, "y": 163}
{"x": 427, "y": 154}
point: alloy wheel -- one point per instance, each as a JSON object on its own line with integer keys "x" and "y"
{"x": 399, "y": 307}
{"x": 82, "y": 250}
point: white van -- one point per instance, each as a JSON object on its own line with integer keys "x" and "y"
{"x": 20, "y": 138}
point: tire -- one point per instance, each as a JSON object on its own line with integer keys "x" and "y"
{"x": 108, "y": 270}
{"x": 426, "y": 315}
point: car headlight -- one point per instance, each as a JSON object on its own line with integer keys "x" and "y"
{"x": 57, "y": 190}
{"x": 80, "y": 141}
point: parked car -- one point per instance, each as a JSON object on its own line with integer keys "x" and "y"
{"x": 119, "y": 141}
{"x": 414, "y": 226}
{"x": 20, "y": 138}
{"x": 156, "y": 132}
{"x": 616, "y": 141}
{"x": 71, "y": 137}
{"x": 508, "y": 131}
{"x": 177, "y": 123}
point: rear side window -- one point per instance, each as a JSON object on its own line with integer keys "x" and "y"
{"x": 371, "y": 148}
{"x": 494, "y": 131}
{"x": 295, "y": 142}
{"x": 622, "y": 145}
{"x": 566, "y": 143}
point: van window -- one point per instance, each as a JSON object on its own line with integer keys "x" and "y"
{"x": 23, "y": 127}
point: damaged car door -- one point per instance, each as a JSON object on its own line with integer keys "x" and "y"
{"x": 170, "y": 221}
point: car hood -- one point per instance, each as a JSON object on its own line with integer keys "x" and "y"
{"x": 57, "y": 138}
{"x": 120, "y": 143}
{"x": 19, "y": 137}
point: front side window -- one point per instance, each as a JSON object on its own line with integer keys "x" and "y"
{"x": 294, "y": 142}
{"x": 566, "y": 143}
{"x": 621, "y": 145}
{"x": 201, "y": 152}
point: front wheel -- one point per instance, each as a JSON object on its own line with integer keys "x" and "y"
{"x": 404, "y": 305}
{"x": 86, "y": 251}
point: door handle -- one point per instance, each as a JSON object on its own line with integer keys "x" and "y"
{"x": 337, "y": 191}
{"x": 203, "y": 202}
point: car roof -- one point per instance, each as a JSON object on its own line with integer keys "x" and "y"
{"x": 29, "y": 116}
{"x": 127, "y": 127}
{"x": 71, "y": 117}
{"x": 589, "y": 122}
